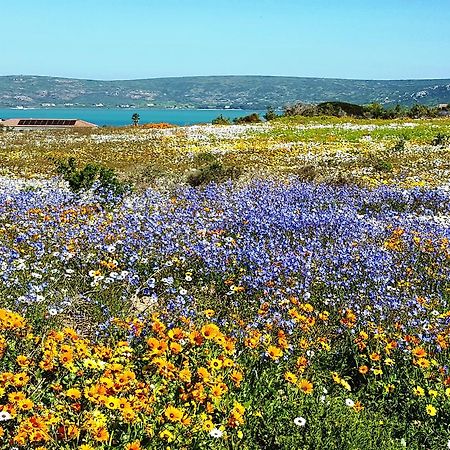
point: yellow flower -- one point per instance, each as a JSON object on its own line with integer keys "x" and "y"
{"x": 336, "y": 377}
{"x": 26, "y": 404}
{"x": 207, "y": 425}
{"x": 433, "y": 393}
{"x": 210, "y": 331}
{"x": 173, "y": 414}
{"x": 431, "y": 410}
{"x": 215, "y": 364}
{"x": 73, "y": 393}
{"x": 166, "y": 435}
{"x": 112, "y": 402}
{"x": 290, "y": 377}
{"x": 274, "y": 352}
{"x": 419, "y": 391}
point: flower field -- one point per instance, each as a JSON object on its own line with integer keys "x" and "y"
{"x": 275, "y": 313}
{"x": 369, "y": 152}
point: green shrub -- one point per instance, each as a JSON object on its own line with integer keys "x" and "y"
{"x": 220, "y": 120}
{"x": 441, "y": 140}
{"x": 251, "y": 118}
{"x": 270, "y": 114}
{"x": 91, "y": 174}
{"x": 400, "y": 145}
{"x": 381, "y": 165}
{"x": 306, "y": 173}
{"x": 208, "y": 169}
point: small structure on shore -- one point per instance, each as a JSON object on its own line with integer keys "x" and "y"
{"x": 45, "y": 124}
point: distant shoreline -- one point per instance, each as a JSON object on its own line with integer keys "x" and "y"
{"x": 114, "y": 116}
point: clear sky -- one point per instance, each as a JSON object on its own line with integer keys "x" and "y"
{"x": 126, "y": 39}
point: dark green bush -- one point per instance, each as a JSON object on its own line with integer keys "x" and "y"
{"x": 221, "y": 121}
{"x": 306, "y": 173}
{"x": 84, "y": 179}
{"x": 400, "y": 145}
{"x": 251, "y": 118}
{"x": 270, "y": 114}
{"x": 381, "y": 165}
{"x": 208, "y": 169}
{"x": 441, "y": 140}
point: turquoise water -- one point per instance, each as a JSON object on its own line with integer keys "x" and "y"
{"x": 122, "y": 116}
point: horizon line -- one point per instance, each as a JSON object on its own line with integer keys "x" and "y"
{"x": 223, "y": 76}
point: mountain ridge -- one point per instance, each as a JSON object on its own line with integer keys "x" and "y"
{"x": 216, "y": 91}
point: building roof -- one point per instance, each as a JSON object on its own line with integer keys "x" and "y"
{"x": 46, "y": 123}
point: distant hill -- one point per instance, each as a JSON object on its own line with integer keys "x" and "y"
{"x": 246, "y": 92}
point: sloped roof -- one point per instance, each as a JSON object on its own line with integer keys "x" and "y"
{"x": 46, "y": 123}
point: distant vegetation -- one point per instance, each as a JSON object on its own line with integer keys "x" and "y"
{"x": 343, "y": 109}
{"x": 371, "y": 111}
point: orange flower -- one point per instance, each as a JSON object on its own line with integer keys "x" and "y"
{"x": 26, "y": 404}
{"x": 210, "y": 331}
{"x": 419, "y": 352}
{"x": 363, "y": 369}
{"x": 358, "y": 406}
{"x": 136, "y": 445}
{"x": 236, "y": 377}
{"x": 305, "y": 386}
{"x": 101, "y": 434}
{"x": 203, "y": 373}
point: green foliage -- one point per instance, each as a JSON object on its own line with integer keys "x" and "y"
{"x": 418, "y": 111}
{"x": 91, "y": 174}
{"x": 221, "y": 120}
{"x": 251, "y": 118}
{"x": 270, "y": 114}
{"x": 400, "y": 145}
{"x": 135, "y": 118}
{"x": 371, "y": 111}
{"x": 381, "y": 165}
{"x": 209, "y": 169}
{"x": 441, "y": 140}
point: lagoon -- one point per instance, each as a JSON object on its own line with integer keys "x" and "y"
{"x": 122, "y": 116}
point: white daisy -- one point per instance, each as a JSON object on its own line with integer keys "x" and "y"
{"x": 349, "y": 402}
{"x": 300, "y": 421}
{"x": 216, "y": 433}
{"x": 4, "y": 416}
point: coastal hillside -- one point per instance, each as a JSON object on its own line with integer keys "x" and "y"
{"x": 246, "y": 92}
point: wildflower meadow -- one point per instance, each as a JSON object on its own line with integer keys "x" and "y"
{"x": 267, "y": 311}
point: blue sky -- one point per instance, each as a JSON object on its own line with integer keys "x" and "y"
{"x": 118, "y": 39}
